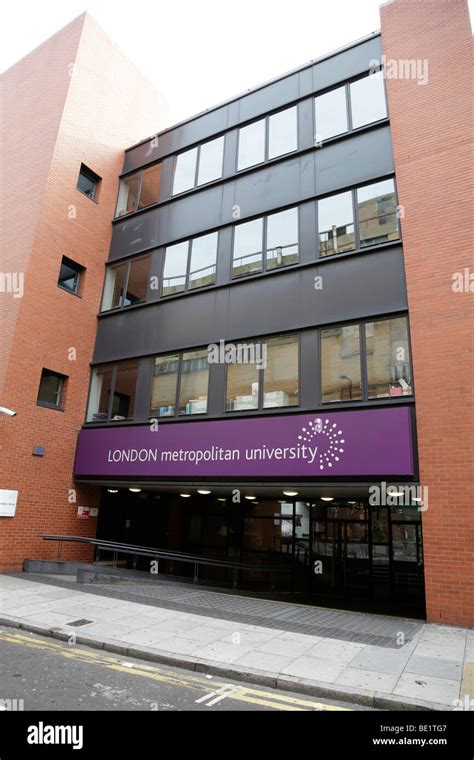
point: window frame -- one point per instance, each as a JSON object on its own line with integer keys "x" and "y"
{"x": 177, "y": 414}
{"x": 59, "y": 406}
{"x": 260, "y": 408}
{"x": 266, "y": 147}
{"x": 128, "y": 261}
{"x": 349, "y": 84}
{"x": 186, "y": 288}
{"x": 358, "y": 248}
{"x": 364, "y": 398}
{"x": 264, "y": 270}
{"x": 198, "y": 147}
{"x": 130, "y": 174}
{"x": 369, "y": 246}
{"x": 85, "y": 171}
{"x": 346, "y": 86}
{"x": 113, "y": 385}
{"x": 79, "y": 269}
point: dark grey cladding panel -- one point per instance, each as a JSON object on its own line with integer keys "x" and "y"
{"x": 275, "y": 95}
{"x": 272, "y": 186}
{"x": 347, "y": 162}
{"x": 137, "y": 233}
{"x": 193, "y": 214}
{"x": 270, "y": 97}
{"x": 354, "y": 287}
{"x": 348, "y": 64}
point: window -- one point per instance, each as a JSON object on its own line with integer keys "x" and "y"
{"x": 269, "y": 365}
{"x": 202, "y": 269}
{"x": 281, "y": 246}
{"x": 174, "y": 272}
{"x": 185, "y": 172}
{"x": 210, "y": 161}
{"x": 194, "y": 383}
{"x": 331, "y": 114}
{"x": 150, "y": 187}
{"x": 199, "y": 165}
{"x": 242, "y": 387}
{"x": 282, "y": 239}
{"x": 368, "y": 100}
{"x": 282, "y": 132}
{"x": 248, "y": 248}
{"x": 126, "y": 283}
{"x": 282, "y": 138}
{"x": 164, "y": 385}
{"x": 70, "y": 275}
{"x": 88, "y": 182}
{"x": 377, "y": 208}
{"x": 51, "y": 389}
{"x": 190, "y": 372}
{"x": 280, "y": 376}
{"x": 340, "y": 364}
{"x": 139, "y": 190}
{"x": 123, "y": 397}
{"x": 201, "y": 253}
{"x": 112, "y": 392}
{"x": 388, "y": 358}
{"x": 128, "y": 195}
{"x": 336, "y": 224}
{"x": 251, "y": 145}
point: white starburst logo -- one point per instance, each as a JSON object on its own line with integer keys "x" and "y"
{"x": 331, "y": 444}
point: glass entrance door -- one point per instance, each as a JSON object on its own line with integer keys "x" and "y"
{"x": 363, "y": 553}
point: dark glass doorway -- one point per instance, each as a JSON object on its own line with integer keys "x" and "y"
{"x": 368, "y": 553}
{"x": 345, "y": 554}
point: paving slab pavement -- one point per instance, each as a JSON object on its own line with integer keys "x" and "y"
{"x": 411, "y": 665}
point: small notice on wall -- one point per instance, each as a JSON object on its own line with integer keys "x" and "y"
{"x": 8, "y": 501}
{"x": 83, "y": 513}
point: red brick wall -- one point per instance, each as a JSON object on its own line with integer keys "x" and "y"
{"x": 432, "y": 132}
{"x": 26, "y": 154}
{"x": 93, "y": 115}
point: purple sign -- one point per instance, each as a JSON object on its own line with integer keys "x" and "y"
{"x": 356, "y": 443}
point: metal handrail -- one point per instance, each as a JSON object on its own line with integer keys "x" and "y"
{"x": 145, "y": 551}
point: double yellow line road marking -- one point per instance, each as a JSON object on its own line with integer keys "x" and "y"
{"x": 214, "y": 691}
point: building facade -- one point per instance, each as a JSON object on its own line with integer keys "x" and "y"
{"x": 251, "y": 377}
{"x": 277, "y": 313}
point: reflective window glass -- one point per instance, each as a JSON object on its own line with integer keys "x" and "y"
{"x": 388, "y": 358}
{"x": 174, "y": 273}
{"x": 210, "y": 161}
{"x": 336, "y": 224}
{"x": 194, "y": 382}
{"x": 281, "y": 384}
{"x": 377, "y": 209}
{"x": 282, "y": 238}
{"x": 203, "y": 260}
{"x": 331, "y": 114}
{"x": 340, "y": 363}
{"x": 164, "y": 385}
{"x": 248, "y": 243}
{"x": 185, "y": 172}
{"x": 282, "y": 132}
{"x": 368, "y": 100}
{"x": 251, "y": 144}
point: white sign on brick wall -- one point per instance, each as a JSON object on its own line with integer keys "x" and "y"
{"x": 8, "y": 501}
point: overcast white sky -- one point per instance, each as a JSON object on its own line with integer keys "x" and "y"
{"x": 200, "y": 52}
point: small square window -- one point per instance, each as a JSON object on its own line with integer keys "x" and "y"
{"x": 88, "y": 182}
{"x": 70, "y": 275}
{"x": 51, "y": 388}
